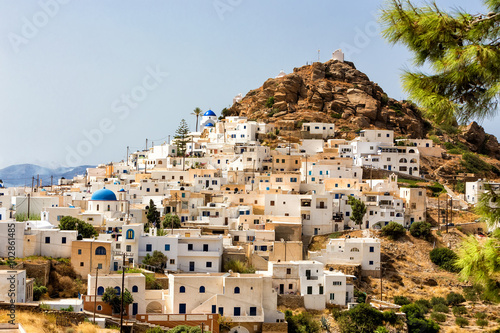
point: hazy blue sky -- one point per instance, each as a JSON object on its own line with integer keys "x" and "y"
{"x": 65, "y": 69}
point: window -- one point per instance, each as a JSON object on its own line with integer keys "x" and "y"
{"x": 100, "y": 290}
{"x": 290, "y": 286}
{"x": 372, "y": 249}
{"x": 309, "y": 290}
{"x": 236, "y": 290}
{"x": 214, "y": 309}
{"x": 149, "y": 247}
{"x": 117, "y": 290}
{"x": 272, "y": 202}
{"x": 172, "y": 261}
{"x": 182, "y": 289}
{"x": 63, "y": 240}
{"x": 209, "y": 264}
{"x": 279, "y": 180}
{"x": 237, "y": 311}
{"x": 190, "y": 247}
{"x": 130, "y": 234}
{"x": 99, "y": 266}
{"x": 221, "y": 310}
{"x": 321, "y": 290}
{"x": 99, "y": 308}
{"x": 47, "y": 240}
{"x": 253, "y": 311}
{"x": 337, "y": 283}
{"x": 79, "y": 251}
{"x": 129, "y": 248}
{"x": 202, "y": 290}
{"x": 167, "y": 247}
{"x": 354, "y": 249}
{"x": 81, "y": 264}
{"x": 371, "y": 262}
{"x": 135, "y": 289}
{"x": 332, "y": 296}
{"x": 288, "y": 271}
{"x": 205, "y": 247}
{"x": 100, "y": 251}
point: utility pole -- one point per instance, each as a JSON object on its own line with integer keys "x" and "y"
{"x": 29, "y": 202}
{"x": 451, "y": 210}
{"x": 446, "y": 215}
{"x": 123, "y": 290}
{"x": 32, "y": 183}
{"x": 253, "y": 173}
{"x": 37, "y": 182}
{"x": 306, "y": 168}
{"x": 95, "y": 291}
{"x": 51, "y": 182}
{"x": 146, "y": 144}
{"x": 127, "y": 155}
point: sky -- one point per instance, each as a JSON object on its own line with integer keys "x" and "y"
{"x": 82, "y": 80}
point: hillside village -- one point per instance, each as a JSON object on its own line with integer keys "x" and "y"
{"x": 251, "y": 212}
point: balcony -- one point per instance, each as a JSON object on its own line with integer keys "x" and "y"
{"x": 312, "y": 278}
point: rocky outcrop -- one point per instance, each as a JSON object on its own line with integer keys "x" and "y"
{"x": 333, "y": 92}
{"x": 481, "y": 142}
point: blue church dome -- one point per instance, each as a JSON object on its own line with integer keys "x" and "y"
{"x": 209, "y": 125}
{"x": 104, "y": 195}
{"x": 209, "y": 113}
{"x": 121, "y": 190}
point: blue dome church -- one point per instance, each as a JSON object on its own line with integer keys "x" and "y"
{"x": 208, "y": 119}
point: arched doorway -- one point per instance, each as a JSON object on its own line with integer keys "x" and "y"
{"x": 154, "y": 307}
{"x": 239, "y": 329}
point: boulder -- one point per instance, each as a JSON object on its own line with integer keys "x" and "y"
{"x": 317, "y": 71}
{"x": 360, "y": 122}
{"x": 474, "y": 134}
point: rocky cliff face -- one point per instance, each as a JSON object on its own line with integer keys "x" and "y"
{"x": 336, "y": 92}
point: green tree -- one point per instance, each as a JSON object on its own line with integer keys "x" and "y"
{"x": 358, "y": 210}
{"x": 420, "y": 230}
{"x": 362, "y": 318}
{"x": 158, "y": 259}
{"x": 181, "y": 139}
{"x": 302, "y": 322}
{"x": 488, "y": 206}
{"x": 197, "y": 112}
{"x": 153, "y": 215}
{"x": 170, "y": 219}
{"x": 393, "y": 230}
{"x": 444, "y": 258}
{"x": 461, "y": 50}
{"x": 111, "y": 298}
{"x": 85, "y": 229}
{"x": 39, "y": 291}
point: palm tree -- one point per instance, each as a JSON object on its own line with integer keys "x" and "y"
{"x": 197, "y": 112}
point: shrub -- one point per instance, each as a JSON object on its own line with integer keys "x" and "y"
{"x": 393, "y": 230}
{"x": 481, "y": 322}
{"x": 38, "y": 292}
{"x": 336, "y": 115}
{"x": 480, "y": 315}
{"x": 420, "y": 230}
{"x": 381, "y": 329}
{"x": 390, "y": 317}
{"x": 270, "y": 102}
{"x": 68, "y": 309}
{"x": 444, "y": 258}
{"x": 155, "y": 330}
{"x": 461, "y": 321}
{"x": 413, "y": 311}
{"x": 440, "y": 308}
{"x": 238, "y": 266}
{"x": 454, "y": 298}
{"x": 401, "y": 300}
{"x": 473, "y": 164}
{"x": 438, "y": 300}
{"x": 362, "y": 318}
{"x": 422, "y": 325}
{"x": 360, "y": 296}
{"x": 439, "y": 317}
{"x": 302, "y": 322}
{"x": 458, "y": 311}
{"x": 424, "y": 304}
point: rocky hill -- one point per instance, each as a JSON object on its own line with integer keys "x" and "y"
{"x": 337, "y": 92}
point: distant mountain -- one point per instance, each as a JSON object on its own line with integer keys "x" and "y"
{"x": 21, "y": 174}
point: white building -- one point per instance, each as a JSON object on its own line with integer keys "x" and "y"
{"x": 13, "y": 286}
{"x": 473, "y": 190}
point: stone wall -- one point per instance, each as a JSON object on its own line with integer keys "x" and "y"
{"x": 38, "y": 270}
{"x": 63, "y": 318}
{"x": 291, "y": 301}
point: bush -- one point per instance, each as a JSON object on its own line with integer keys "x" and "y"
{"x": 360, "y": 296}
{"x": 401, "y": 300}
{"x": 420, "y": 230}
{"x": 418, "y": 325}
{"x": 381, "y": 329}
{"x": 38, "y": 292}
{"x": 461, "y": 321}
{"x": 390, "y": 317}
{"x": 155, "y": 330}
{"x": 439, "y": 317}
{"x": 413, "y": 311}
{"x": 444, "y": 258}
{"x": 393, "y": 230}
{"x": 481, "y": 322}
{"x": 438, "y": 300}
{"x": 454, "y": 298}
{"x": 473, "y": 164}
{"x": 362, "y": 318}
{"x": 440, "y": 308}
{"x": 270, "y": 102}
{"x": 480, "y": 315}
{"x": 458, "y": 311}
{"x": 302, "y": 322}
{"x": 238, "y": 266}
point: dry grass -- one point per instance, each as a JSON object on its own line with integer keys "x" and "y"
{"x": 46, "y": 323}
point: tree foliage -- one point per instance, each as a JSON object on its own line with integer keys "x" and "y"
{"x": 85, "y": 229}
{"x": 158, "y": 259}
{"x": 182, "y": 137}
{"x": 461, "y": 50}
{"x": 444, "y": 258}
{"x": 170, "y": 219}
{"x": 488, "y": 206}
{"x": 153, "y": 215}
{"x": 301, "y": 323}
{"x": 358, "y": 210}
{"x": 420, "y": 230}
{"x": 111, "y": 298}
{"x": 361, "y": 318}
{"x": 393, "y": 230}
{"x": 197, "y": 112}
